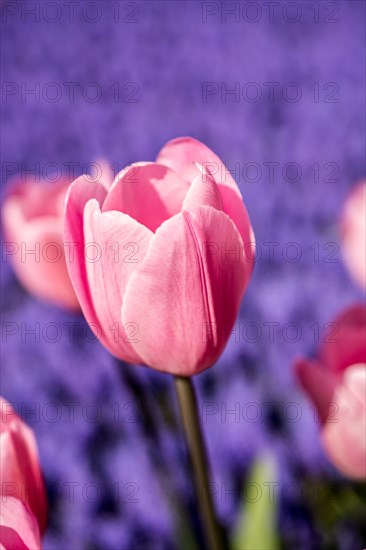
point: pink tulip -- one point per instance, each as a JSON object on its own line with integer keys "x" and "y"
{"x": 33, "y": 221}
{"x": 170, "y": 258}
{"x": 19, "y": 529}
{"x": 20, "y": 473}
{"x": 336, "y": 383}
{"x": 354, "y": 234}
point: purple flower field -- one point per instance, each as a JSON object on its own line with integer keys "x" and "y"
{"x": 280, "y": 97}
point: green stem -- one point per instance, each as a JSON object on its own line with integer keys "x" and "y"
{"x": 197, "y": 451}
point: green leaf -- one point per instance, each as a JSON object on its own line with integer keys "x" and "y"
{"x": 257, "y": 525}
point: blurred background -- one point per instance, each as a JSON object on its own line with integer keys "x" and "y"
{"x": 277, "y": 90}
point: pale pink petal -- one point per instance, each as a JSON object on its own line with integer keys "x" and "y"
{"x": 102, "y": 172}
{"x": 186, "y": 294}
{"x": 7, "y": 415}
{"x": 18, "y": 527}
{"x": 39, "y": 262}
{"x": 344, "y": 438}
{"x": 148, "y": 192}
{"x": 120, "y": 246}
{"x": 203, "y": 191}
{"x": 33, "y": 226}
{"x": 32, "y": 199}
{"x": 319, "y": 383}
{"x": 183, "y": 154}
{"x": 80, "y": 191}
{"x": 49, "y": 278}
{"x": 354, "y": 234}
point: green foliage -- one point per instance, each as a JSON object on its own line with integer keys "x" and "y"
{"x": 257, "y": 525}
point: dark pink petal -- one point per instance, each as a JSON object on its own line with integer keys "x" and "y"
{"x": 345, "y": 341}
{"x": 319, "y": 383}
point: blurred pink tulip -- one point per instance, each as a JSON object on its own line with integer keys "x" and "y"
{"x": 336, "y": 383}
{"x": 171, "y": 257}
{"x": 20, "y": 472}
{"x": 33, "y": 222}
{"x": 19, "y": 529}
{"x": 354, "y": 233}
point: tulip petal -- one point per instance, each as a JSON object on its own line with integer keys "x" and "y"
{"x": 182, "y": 154}
{"x": 20, "y": 471}
{"x": 40, "y": 262}
{"x": 7, "y": 415}
{"x": 30, "y": 199}
{"x": 354, "y": 233}
{"x": 148, "y": 192}
{"x": 80, "y": 191}
{"x": 319, "y": 383}
{"x": 26, "y": 448}
{"x": 344, "y": 438}
{"x": 121, "y": 244}
{"x": 203, "y": 191}
{"x": 194, "y": 296}
{"x": 102, "y": 172}
{"x": 34, "y": 225}
{"x": 345, "y": 341}
{"x": 18, "y": 527}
